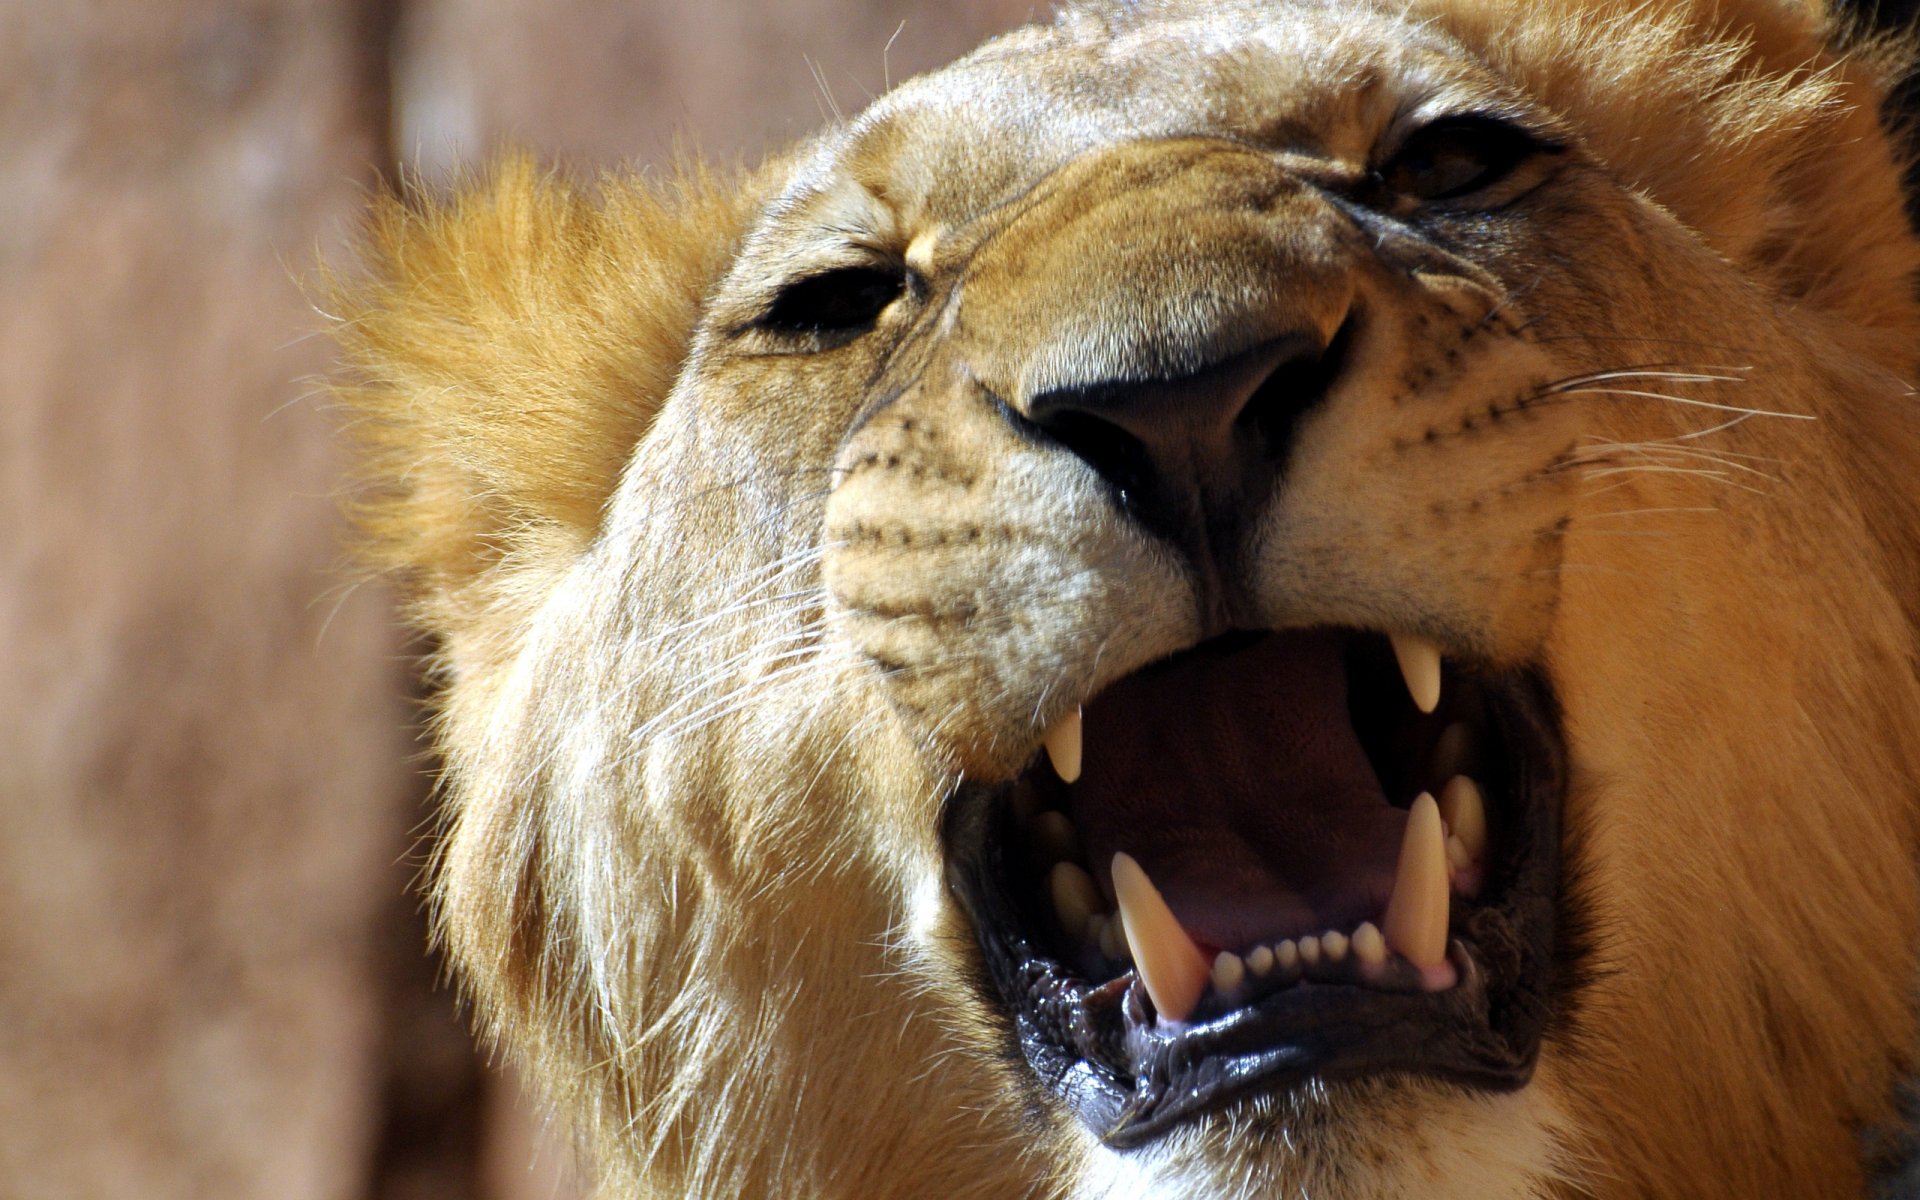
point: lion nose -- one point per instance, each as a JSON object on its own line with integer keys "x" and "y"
{"x": 1189, "y": 455}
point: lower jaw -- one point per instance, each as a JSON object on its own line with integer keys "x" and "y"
{"x": 1131, "y": 1078}
{"x": 1394, "y": 1136}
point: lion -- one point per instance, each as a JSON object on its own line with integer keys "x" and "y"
{"x": 1219, "y": 599}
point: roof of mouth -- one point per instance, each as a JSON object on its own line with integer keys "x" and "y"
{"x": 1234, "y": 775}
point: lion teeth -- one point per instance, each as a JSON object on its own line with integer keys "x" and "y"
{"x": 1333, "y": 944}
{"x": 1113, "y": 940}
{"x": 1054, "y": 837}
{"x": 1464, "y": 809}
{"x": 1415, "y": 924}
{"x": 1229, "y": 971}
{"x": 1171, "y": 967}
{"x": 1368, "y": 945}
{"x": 1310, "y": 949}
{"x": 1260, "y": 960}
{"x": 1458, "y": 857}
{"x": 1454, "y": 752}
{"x": 1420, "y": 667}
{"x": 1063, "y": 743}
{"x": 1076, "y": 898}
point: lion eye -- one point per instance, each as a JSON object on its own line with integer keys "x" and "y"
{"x": 843, "y": 299}
{"x": 1452, "y": 158}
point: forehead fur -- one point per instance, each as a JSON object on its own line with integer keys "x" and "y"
{"x": 1675, "y": 98}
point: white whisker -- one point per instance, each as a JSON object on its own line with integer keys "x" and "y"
{"x": 1630, "y": 469}
{"x": 1720, "y": 428}
{"x": 1707, "y": 374}
{"x": 1734, "y": 408}
{"x": 1643, "y": 512}
{"x": 1610, "y": 453}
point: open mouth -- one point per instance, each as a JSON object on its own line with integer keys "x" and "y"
{"x": 1273, "y": 858}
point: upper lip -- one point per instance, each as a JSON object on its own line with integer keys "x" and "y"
{"x": 1130, "y": 1075}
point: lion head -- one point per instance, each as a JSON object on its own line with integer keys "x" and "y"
{"x": 1229, "y": 599}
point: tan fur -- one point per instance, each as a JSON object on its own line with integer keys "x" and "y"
{"x": 689, "y": 868}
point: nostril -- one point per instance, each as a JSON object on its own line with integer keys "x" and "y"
{"x": 1290, "y": 390}
{"x": 1171, "y": 446}
{"x": 1116, "y": 455}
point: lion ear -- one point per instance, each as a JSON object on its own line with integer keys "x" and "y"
{"x": 507, "y": 347}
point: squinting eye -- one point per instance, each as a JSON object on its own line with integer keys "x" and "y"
{"x": 1455, "y": 157}
{"x": 834, "y": 301}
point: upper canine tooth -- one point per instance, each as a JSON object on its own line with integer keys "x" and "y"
{"x": 1415, "y": 923}
{"x": 1171, "y": 967}
{"x": 1464, "y": 808}
{"x": 1063, "y": 746}
{"x": 1420, "y": 666}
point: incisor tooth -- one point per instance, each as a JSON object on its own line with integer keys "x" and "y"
{"x": 1171, "y": 967}
{"x": 1368, "y": 946}
{"x": 1286, "y": 954}
{"x": 1228, "y": 971}
{"x": 1457, "y": 856}
{"x": 1420, "y": 666}
{"x": 1333, "y": 944}
{"x": 1260, "y": 960}
{"x": 1063, "y": 743}
{"x": 1464, "y": 809}
{"x": 1310, "y": 949}
{"x": 1076, "y": 897}
{"x": 1415, "y": 924}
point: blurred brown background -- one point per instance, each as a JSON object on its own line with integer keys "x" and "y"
{"x": 213, "y": 980}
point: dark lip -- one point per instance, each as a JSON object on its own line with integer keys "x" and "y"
{"x": 1130, "y": 1080}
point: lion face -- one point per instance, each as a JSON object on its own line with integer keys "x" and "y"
{"x": 1240, "y": 600}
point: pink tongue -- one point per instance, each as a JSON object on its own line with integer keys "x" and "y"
{"x": 1233, "y": 774}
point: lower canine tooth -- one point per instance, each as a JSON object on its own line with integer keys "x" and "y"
{"x": 1415, "y": 924}
{"x": 1464, "y": 808}
{"x": 1064, "y": 743}
{"x": 1076, "y": 898}
{"x": 1113, "y": 941}
{"x": 1171, "y": 967}
{"x": 1420, "y": 666}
